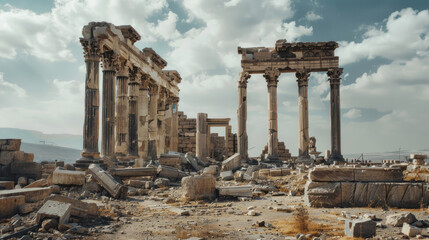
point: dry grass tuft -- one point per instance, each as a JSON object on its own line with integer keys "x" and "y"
{"x": 201, "y": 231}
{"x": 302, "y": 219}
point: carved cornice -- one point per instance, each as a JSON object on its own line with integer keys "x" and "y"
{"x": 109, "y": 61}
{"x": 91, "y": 49}
{"x": 334, "y": 75}
{"x": 302, "y": 76}
{"x": 271, "y": 75}
{"x": 244, "y": 77}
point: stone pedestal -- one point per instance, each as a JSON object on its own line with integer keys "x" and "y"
{"x": 108, "y": 118}
{"x": 334, "y": 80}
{"x": 242, "y": 116}
{"x": 303, "y": 154}
{"x": 90, "y": 151}
{"x": 271, "y": 76}
{"x": 122, "y": 111}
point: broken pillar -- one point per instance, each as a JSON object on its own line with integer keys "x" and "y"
{"x": 242, "y": 116}
{"x": 134, "y": 172}
{"x": 236, "y": 191}
{"x": 201, "y": 137}
{"x": 30, "y": 194}
{"x": 232, "y": 163}
{"x": 106, "y": 180}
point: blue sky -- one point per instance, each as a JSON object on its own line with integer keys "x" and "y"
{"x": 383, "y": 50}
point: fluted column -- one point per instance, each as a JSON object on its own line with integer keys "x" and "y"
{"x": 334, "y": 80}
{"x": 153, "y": 120}
{"x": 92, "y": 99}
{"x": 242, "y": 115}
{"x": 161, "y": 119}
{"x": 143, "y": 118}
{"x": 122, "y": 109}
{"x": 302, "y": 79}
{"x": 133, "y": 92}
{"x": 108, "y": 106}
{"x": 271, "y": 76}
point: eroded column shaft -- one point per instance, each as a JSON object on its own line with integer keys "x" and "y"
{"x": 334, "y": 80}
{"x": 271, "y": 75}
{"x": 133, "y": 91}
{"x": 143, "y": 126}
{"x": 121, "y": 115}
{"x": 108, "y": 119}
{"x": 302, "y": 79}
{"x": 201, "y": 136}
{"x": 242, "y": 141}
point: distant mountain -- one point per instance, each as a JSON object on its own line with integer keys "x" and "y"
{"x": 392, "y": 155}
{"x": 45, "y": 152}
{"x": 36, "y": 137}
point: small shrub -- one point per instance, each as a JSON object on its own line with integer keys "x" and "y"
{"x": 301, "y": 219}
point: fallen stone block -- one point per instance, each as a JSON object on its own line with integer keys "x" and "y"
{"x": 10, "y": 144}
{"x": 226, "y": 175}
{"x": 410, "y": 230}
{"x": 106, "y": 180}
{"x": 30, "y": 194}
{"x": 323, "y": 194}
{"x": 26, "y": 169}
{"x": 29, "y": 207}
{"x": 363, "y": 228}
{"x": 7, "y": 185}
{"x": 232, "y": 163}
{"x": 171, "y": 173}
{"x": 79, "y": 208}
{"x": 9, "y": 206}
{"x": 275, "y": 172}
{"x": 134, "y": 172}
{"x": 211, "y": 170}
{"x": 397, "y": 220}
{"x": 324, "y": 174}
{"x": 162, "y": 183}
{"x": 248, "y": 175}
{"x": 67, "y": 177}
{"x": 198, "y": 187}
{"x": 170, "y": 160}
{"x": 37, "y": 184}
{"x": 53, "y": 209}
{"x": 137, "y": 183}
{"x": 193, "y": 161}
{"x": 178, "y": 211}
{"x": 236, "y": 191}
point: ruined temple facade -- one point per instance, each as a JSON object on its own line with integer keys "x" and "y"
{"x": 302, "y": 58}
{"x": 139, "y": 102}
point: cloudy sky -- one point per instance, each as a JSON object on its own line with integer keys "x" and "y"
{"x": 383, "y": 50}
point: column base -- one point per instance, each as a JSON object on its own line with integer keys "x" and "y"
{"x": 306, "y": 159}
{"x": 336, "y": 157}
{"x": 88, "y": 159}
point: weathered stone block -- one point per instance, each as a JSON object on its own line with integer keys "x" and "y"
{"x": 323, "y": 194}
{"x": 198, "y": 187}
{"x": 79, "y": 208}
{"x": 137, "y": 183}
{"x": 319, "y": 174}
{"x": 227, "y": 175}
{"x": 193, "y": 161}
{"x": 28, "y": 157}
{"x": 7, "y": 185}
{"x": 6, "y": 157}
{"x": 347, "y": 194}
{"x": 171, "y": 173}
{"x": 67, "y": 177}
{"x": 236, "y": 191}
{"x": 9, "y": 206}
{"x": 10, "y": 144}
{"x": 377, "y": 175}
{"x": 275, "y": 172}
{"x": 232, "y": 163}
{"x": 37, "y": 184}
{"x": 30, "y": 194}
{"x": 363, "y": 228}
{"x": 410, "y": 230}
{"x": 106, "y": 180}
{"x": 404, "y": 195}
{"x": 134, "y": 172}
{"x": 376, "y": 195}
{"x": 53, "y": 209}
{"x": 418, "y": 156}
{"x": 26, "y": 169}
{"x": 397, "y": 220}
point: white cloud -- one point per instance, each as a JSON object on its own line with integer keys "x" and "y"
{"x": 311, "y": 16}
{"x": 11, "y": 88}
{"x": 353, "y": 113}
{"x": 405, "y": 34}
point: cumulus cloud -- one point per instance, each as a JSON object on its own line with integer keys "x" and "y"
{"x": 405, "y": 34}
{"x": 311, "y": 16}
{"x": 11, "y": 88}
{"x": 353, "y": 113}
{"x": 48, "y": 36}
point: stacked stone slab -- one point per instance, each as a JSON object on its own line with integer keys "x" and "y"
{"x": 283, "y": 152}
{"x": 363, "y": 187}
{"x": 15, "y": 163}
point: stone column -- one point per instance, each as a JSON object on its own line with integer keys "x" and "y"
{"x": 226, "y": 141}
{"x": 271, "y": 76}
{"x": 108, "y": 105}
{"x": 174, "y": 140}
{"x": 153, "y": 120}
{"x": 143, "y": 120}
{"x": 161, "y": 122}
{"x": 302, "y": 79}
{"x": 242, "y": 116}
{"x": 92, "y": 100}
{"x": 122, "y": 109}
{"x": 133, "y": 93}
{"x": 334, "y": 80}
{"x": 168, "y": 122}
{"x": 201, "y": 137}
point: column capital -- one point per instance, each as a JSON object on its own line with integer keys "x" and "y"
{"x": 134, "y": 76}
{"x": 302, "y": 76}
{"x": 123, "y": 67}
{"x": 271, "y": 75}
{"x": 334, "y": 75}
{"x": 244, "y": 77}
{"x": 144, "y": 81}
{"x": 109, "y": 61}
{"x": 91, "y": 49}
{"x": 153, "y": 89}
